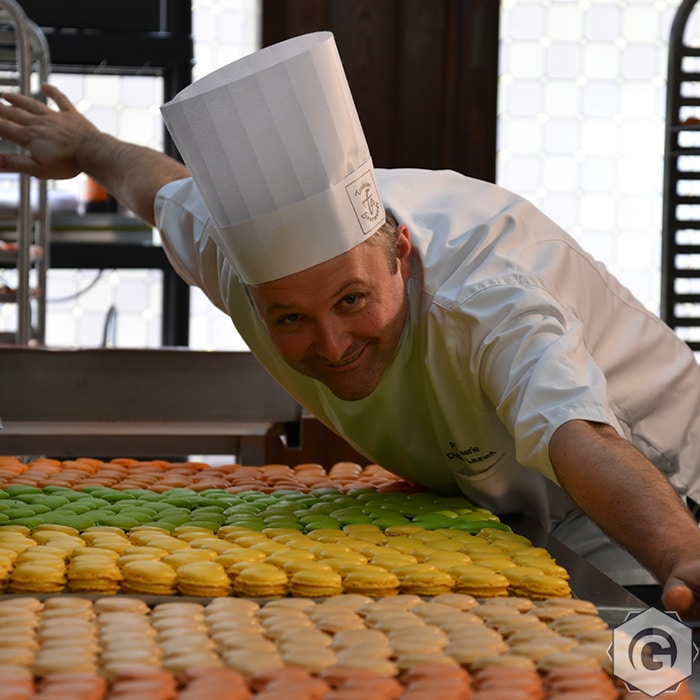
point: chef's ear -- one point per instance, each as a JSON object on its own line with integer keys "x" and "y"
{"x": 403, "y": 241}
{"x": 403, "y": 249}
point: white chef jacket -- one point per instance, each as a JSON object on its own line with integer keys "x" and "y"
{"x": 512, "y": 331}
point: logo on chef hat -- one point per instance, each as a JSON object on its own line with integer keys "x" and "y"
{"x": 364, "y": 197}
{"x": 652, "y": 651}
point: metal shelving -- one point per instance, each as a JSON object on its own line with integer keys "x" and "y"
{"x": 680, "y": 271}
{"x": 124, "y": 37}
{"x": 24, "y": 64}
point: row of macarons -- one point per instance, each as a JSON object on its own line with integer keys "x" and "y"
{"x": 385, "y": 648}
{"x": 348, "y": 648}
{"x": 321, "y": 508}
{"x": 276, "y": 562}
{"x": 160, "y": 475}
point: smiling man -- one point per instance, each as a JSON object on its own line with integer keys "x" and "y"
{"x": 339, "y": 322}
{"x": 443, "y": 326}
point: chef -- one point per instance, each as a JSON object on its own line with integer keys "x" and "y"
{"x": 443, "y": 326}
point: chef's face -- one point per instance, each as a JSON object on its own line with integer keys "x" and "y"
{"x": 340, "y": 321}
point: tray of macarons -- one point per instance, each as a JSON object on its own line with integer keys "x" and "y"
{"x": 131, "y": 579}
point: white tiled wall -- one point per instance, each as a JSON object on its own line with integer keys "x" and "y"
{"x": 581, "y": 119}
{"x": 581, "y": 128}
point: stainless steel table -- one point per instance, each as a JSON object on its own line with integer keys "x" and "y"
{"x": 157, "y": 403}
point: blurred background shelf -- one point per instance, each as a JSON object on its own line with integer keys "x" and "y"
{"x": 24, "y": 64}
{"x": 159, "y": 403}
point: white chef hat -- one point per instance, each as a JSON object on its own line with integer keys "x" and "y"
{"x": 275, "y": 146}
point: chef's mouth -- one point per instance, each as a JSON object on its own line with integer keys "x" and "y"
{"x": 346, "y": 362}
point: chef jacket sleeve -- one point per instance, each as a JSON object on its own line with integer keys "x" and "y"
{"x": 530, "y": 355}
{"x": 183, "y": 221}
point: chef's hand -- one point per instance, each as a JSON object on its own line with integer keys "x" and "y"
{"x": 51, "y": 138}
{"x": 682, "y": 591}
{"x": 61, "y": 143}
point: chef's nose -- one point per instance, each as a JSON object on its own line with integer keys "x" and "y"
{"x": 332, "y": 340}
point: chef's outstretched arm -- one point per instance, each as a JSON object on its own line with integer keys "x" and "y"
{"x": 61, "y": 143}
{"x": 634, "y": 503}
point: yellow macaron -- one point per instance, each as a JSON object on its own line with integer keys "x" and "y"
{"x": 149, "y": 577}
{"x": 541, "y": 587}
{"x": 93, "y": 574}
{"x": 260, "y": 580}
{"x": 427, "y": 583}
{"x": 373, "y": 581}
{"x": 315, "y": 583}
{"x": 203, "y": 578}
{"x": 479, "y": 581}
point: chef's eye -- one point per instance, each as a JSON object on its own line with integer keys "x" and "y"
{"x": 288, "y": 319}
{"x": 350, "y": 300}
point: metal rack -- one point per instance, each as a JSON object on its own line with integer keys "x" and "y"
{"x": 24, "y": 64}
{"x": 680, "y": 271}
{"x": 125, "y": 37}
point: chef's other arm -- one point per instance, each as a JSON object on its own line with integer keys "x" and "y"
{"x": 60, "y": 144}
{"x": 634, "y": 503}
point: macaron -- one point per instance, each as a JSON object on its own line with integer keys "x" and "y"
{"x": 141, "y": 681}
{"x": 537, "y": 647}
{"x": 260, "y": 580}
{"x": 506, "y": 683}
{"x": 546, "y": 564}
{"x": 364, "y": 531}
{"x": 373, "y": 581}
{"x": 17, "y": 682}
{"x": 203, "y": 578}
{"x": 260, "y": 680}
{"x": 37, "y": 577}
{"x": 184, "y": 556}
{"x": 505, "y": 538}
{"x": 444, "y": 688}
{"x": 211, "y": 543}
{"x": 315, "y": 583}
{"x": 122, "y": 603}
{"x": 288, "y": 554}
{"x": 427, "y": 583}
{"x": 566, "y": 659}
{"x": 334, "y": 621}
{"x": 115, "y": 543}
{"x": 251, "y": 662}
{"x": 467, "y": 651}
{"x": 146, "y": 577}
{"x": 461, "y": 601}
{"x": 478, "y": 581}
{"x": 161, "y": 540}
{"x": 236, "y": 555}
{"x": 581, "y": 681}
{"x": 240, "y": 607}
{"x": 311, "y": 658}
{"x": 576, "y": 605}
{"x": 376, "y": 665}
{"x": 541, "y": 587}
{"x": 575, "y": 624}
{"x": 93, "y": 574}
{"x": 506, "y": 660}
{"x": 444, "y": 560}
